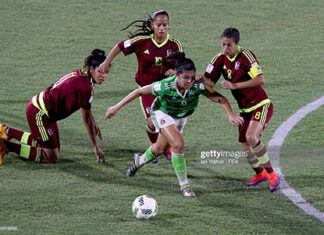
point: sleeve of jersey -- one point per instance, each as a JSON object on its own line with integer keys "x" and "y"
{"x": 156, "y": 88}
{"x": 202, "y": 89}
{"x": 252, "y": 64}
{"x": 126, "y": 46}
{"x": 214, "y": 69}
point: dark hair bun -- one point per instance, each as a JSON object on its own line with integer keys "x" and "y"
{"x": 98, "y": 53}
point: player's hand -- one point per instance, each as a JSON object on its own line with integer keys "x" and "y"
{"x": 111, "y": 111}
{"x": 103, "y": 67}
{"x": 236, "y": 120}
{"x": 228, "y": 85}
{"x": 97, "y": 130}
{"x": 200, "y": 78}
{"x": 170, "y": 72}
{"x": 100, "y": 155}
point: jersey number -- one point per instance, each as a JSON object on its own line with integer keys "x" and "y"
{"x": 158, "y": 61}
{"x": 257, "y": 115}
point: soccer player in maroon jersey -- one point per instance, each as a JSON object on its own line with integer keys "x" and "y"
{"x": 244, "y": 77}
{"x": 151, "y": 44}
{"x": 73, "y": 91}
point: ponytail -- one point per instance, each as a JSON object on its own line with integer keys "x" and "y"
{"x": 144, "y": 26}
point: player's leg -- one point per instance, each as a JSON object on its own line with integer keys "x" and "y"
{"x": 175, "y": 140}
{"x": 260, "y": 118}
{"x": 8, "y": 133}
{"x": 146, "y": 102}
{"x": 152, "y": 153}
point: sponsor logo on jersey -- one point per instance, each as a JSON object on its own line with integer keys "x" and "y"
{"x": 127, "y": 43}
{"x": 147, "y": 52}
{"x": 148, "y": 110}
{"x": 210, "y": 68}
{"x": 169, "y": 51}
{"x": 237, "y": 65}
{"x": 157, "y": 87}
{"x": 224, "y": 67}
{"x": 184, "y": 103}
{"x": 50, "y": 132}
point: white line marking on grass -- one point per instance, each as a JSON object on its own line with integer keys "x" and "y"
{"x": 275, "y": 144}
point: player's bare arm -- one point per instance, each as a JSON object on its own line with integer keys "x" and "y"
{"x": 208, "y": 82}
{"x": 112, "y": 111}
{"x": 257, "y": 81}
{"x": 90, "y": 127}
{"x": 218, "y": 98}
{"x": 112, "y": 54}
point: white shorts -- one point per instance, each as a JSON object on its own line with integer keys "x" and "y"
{"x": 162, "y": 120}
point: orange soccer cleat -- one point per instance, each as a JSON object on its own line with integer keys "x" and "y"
{"x": 3, "y": 150}
{"x": 3, "y": 128}
{"x": 274, "y": 182}
{"x": 258, "y": 178}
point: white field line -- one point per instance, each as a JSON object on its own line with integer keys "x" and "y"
{"x": 274, "y": 152}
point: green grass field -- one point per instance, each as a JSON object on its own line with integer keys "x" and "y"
{"x": 43, "y": 40}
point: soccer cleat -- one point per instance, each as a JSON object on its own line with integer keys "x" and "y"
{"x": 156, "y": 160}
{"x": 133, "y": 168}
{"x": 258, "y": 178}
{"x": 274, "y": 182}
{"x": 3, "y": 128}
{"x": 188, "y": 192}
{"x": 3, "y": 149}
{"x": 169, "y": 154}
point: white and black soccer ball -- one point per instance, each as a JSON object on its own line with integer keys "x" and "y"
{"x": 144, "y": 207}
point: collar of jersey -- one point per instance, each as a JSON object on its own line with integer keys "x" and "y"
{"x": 84, "y": 72}
{"x": 238, "y": 52}
{"x": 161, "y": 44}
{"x": 176, "y": 85}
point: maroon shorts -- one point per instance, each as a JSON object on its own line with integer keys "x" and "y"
{"x": 262, "y": 114}
{"x": 43, "y": 131}
{"x": 146, "y": 102}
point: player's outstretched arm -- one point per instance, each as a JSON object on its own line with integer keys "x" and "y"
{"x": 112, "y": 111}
{"x": 218, "y": 98}
{"x": 206, "y": 81}
{"x": 257, "y": 81}
{"x": 112, "y": 54}
{"x": 93, "y": 130}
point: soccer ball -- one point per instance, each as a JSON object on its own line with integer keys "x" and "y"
{"x": 144, "y": 207}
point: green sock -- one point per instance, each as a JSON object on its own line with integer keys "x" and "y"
{"x": 180, "y": 168}
{"x": 146, "y": 157}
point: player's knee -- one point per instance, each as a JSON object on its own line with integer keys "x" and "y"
{"x": 252, "y": 140}
{"x": 178, "y": 146}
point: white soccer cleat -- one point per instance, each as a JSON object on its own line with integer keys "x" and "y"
{"x": 188, "y": 192}
{"x": 134, "y": 167}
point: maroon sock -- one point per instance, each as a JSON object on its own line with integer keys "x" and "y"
{"x": 18, "y": 135}
{"x": 152, "y": 136}
{"x": 24, "y": 151}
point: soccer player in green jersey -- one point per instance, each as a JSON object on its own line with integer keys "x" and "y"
{"x": 176, "y": 98}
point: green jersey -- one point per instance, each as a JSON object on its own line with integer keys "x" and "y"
{"x": 170, "y": 101}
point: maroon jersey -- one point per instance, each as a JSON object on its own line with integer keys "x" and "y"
{"x": 243, "y": 67}
{"x": 149, "y": 55}
{"x": 72, "y": 92}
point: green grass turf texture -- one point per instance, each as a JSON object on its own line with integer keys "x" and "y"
{"x": 43, "y": 40}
